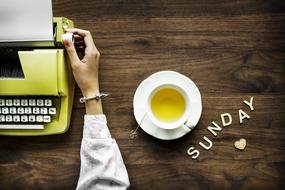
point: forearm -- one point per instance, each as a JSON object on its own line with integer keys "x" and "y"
{"x": 102, "y": 166}
{"x": 93, "y": 107}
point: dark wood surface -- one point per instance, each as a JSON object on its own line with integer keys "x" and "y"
{"x": 231, "y": 49}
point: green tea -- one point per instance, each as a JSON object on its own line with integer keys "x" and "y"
{"x": 168, "y": 105}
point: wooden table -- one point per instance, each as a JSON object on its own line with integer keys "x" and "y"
{"x": 232, "y": 50}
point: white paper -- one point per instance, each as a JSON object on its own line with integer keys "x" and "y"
{"x": 26, "y": 21}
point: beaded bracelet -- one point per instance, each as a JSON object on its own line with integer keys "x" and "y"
{"x": 96, "y": 97}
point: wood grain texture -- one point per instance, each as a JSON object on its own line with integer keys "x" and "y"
{"x": 231, "y": 49}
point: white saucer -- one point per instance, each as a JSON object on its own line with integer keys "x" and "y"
{"x": 140, "y": 102}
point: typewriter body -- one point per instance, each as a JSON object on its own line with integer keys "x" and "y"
{"x": 36, "y": 85}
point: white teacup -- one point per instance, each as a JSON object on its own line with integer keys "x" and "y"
{"x": 179, "y": 122}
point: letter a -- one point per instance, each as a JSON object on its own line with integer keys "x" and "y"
{"x": 242, "y": 115}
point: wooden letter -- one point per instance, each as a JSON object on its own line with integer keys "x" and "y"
{"x": 204, "y": 146}
{"x": 229, "y": 118}
{"x": 195, "y": 152}
{"x": 250, "y": 103}
{"x": 213, "y": 129}
{"x": 242, "y": 115}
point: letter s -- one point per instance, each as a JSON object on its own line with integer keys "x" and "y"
{"x": 192, "y": 151}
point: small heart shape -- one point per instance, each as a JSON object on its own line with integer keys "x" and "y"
{"x": 240, "y": 144}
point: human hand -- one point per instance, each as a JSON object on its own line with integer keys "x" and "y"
{"x": 84, "y": 67}
{"x": 84, "y": 59}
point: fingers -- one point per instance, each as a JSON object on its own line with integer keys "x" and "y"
{"x": 85, "y": 34}
{"x": 78, "y": 31}
{"x": 78, "y": 38}
{"x": 70, "y": 49}
{"x": 79, "y": 43}
{"x": 89, "y": 47}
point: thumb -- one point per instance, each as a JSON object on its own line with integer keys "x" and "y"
{"x": 71, "y": 52}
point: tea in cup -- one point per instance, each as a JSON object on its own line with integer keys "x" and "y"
{"x": 168, "y": 106}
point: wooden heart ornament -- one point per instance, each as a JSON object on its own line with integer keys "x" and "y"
{"x": 240, "y": 144}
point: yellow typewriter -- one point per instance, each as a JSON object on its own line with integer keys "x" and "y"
{"x": 36, "y": 83}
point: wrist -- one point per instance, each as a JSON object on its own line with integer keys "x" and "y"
{"x": 90, "y": 88}
{"x": 94, "y": 107}
{"x": 90, "y": 92}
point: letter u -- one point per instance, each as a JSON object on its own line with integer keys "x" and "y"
{"x": 209, "y": 142}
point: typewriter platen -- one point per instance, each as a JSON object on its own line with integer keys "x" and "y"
{"x": 36, "y": 85}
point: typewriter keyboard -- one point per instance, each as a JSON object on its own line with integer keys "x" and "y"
{"x": 26, "y": 112}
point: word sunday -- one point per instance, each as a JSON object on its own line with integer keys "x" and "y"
{"x": 226, "y": 119}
